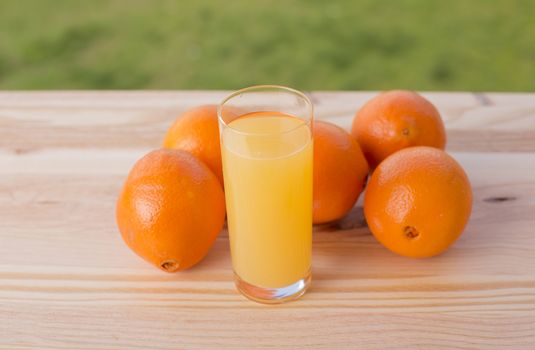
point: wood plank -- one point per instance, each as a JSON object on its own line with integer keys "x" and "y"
{"x": 140, "y": 119}
{"x": 174, "y": 327}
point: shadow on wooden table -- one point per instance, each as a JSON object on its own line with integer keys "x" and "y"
{"x": 345, "y": 252}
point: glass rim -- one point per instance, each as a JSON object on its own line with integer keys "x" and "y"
{"x": 307, "y": 122}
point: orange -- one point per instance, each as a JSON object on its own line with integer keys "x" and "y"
{"x": 171, "y": 209}
{"x": 197, "y": 131}
{"x": 340, "y": 171}
{"x": 394, "y": 120}
{"x": 418, "y": 201}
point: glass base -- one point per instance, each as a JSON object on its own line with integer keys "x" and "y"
{"x": 273, "y": 295}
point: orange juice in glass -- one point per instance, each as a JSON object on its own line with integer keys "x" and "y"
{"x": 267, "y": 152}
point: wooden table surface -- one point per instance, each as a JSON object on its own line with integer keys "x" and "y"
{"x": 68, "y": 281}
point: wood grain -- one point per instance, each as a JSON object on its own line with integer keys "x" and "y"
{"x": 68, "y": 281}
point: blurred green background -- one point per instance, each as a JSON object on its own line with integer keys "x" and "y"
{"x": 321, "y": 45}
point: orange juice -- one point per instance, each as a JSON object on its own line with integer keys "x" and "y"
{"x": 267, "y": 166}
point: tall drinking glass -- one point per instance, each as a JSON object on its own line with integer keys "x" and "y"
{"x": 267, "y": 151}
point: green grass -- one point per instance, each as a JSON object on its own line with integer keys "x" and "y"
{"x": 368, "y": 44}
